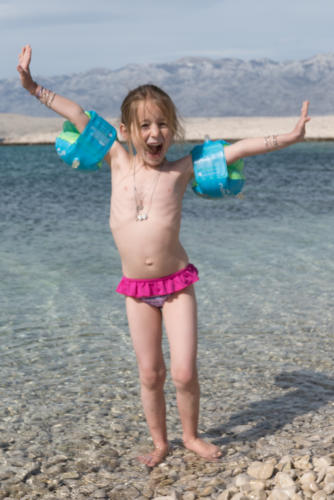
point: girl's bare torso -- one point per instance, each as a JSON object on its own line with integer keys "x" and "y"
{"x": 149, "y": 248}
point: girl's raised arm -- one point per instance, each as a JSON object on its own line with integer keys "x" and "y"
{"x": 61, "y": 105}
{"x": 259, "y": 145}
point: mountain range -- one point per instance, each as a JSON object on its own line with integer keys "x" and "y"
{"x": 198, "y": 86}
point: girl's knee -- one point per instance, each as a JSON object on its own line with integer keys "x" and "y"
{"x": 152, "y": 378}
{"x": 185, "y": 379}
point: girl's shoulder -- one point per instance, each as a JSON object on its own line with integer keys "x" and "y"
{"x": 117, "y": 156}
{"x": 183, "y": 165}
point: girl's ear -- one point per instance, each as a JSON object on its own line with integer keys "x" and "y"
{"x": 124, "y": 132}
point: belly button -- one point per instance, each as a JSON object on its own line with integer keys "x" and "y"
{"x": 148, "y": 262}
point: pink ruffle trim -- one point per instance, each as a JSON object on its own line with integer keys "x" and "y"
{"x": 159, "y": 286}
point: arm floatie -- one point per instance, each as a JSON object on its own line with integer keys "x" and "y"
{"x": 86, "y": 151}
{"x": 213, "y": 177}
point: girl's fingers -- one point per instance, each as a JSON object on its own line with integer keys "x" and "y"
{"x": 305, "y": 108}
{"x": 25, "y": 57}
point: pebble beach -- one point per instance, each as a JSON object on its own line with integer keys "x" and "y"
{"x": 71, "y": 422}
{"x": 280, "y": 449}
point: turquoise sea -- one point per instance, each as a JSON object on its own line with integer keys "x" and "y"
{"x": 266, "y": 298}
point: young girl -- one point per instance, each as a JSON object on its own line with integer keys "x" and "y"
{"x": 145, "y": 216}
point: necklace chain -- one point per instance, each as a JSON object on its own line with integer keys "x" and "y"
{"x": 142, "y": 215}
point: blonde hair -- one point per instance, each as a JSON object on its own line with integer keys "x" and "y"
{"x": 129, "y": 110}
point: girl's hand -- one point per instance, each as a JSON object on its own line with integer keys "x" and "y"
{"x": 258, "y": 145}
{"x": 299, "y": 131}
{"x": 24, "y": 70}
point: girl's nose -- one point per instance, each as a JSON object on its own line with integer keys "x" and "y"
{"x": 155, "y": 131}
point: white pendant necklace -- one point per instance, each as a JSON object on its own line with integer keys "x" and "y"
{"x": 142, "y": 214}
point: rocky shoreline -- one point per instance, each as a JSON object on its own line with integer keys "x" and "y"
{"x": 20, "y": 129}
{"x": 295, "y": 477}
{"x": 87, "y": 449}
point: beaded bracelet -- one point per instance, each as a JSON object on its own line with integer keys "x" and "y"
{"x": 44, "y": 96}
{"x": 271, "y": 141}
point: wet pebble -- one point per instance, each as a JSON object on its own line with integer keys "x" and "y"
{"x": 260, "y": 470}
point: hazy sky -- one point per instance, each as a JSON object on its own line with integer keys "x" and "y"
{"x": 77, "y": 35}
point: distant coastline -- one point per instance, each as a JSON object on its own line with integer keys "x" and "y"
{"x": 22, "y": 130}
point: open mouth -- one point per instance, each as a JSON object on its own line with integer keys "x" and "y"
{"x": 154, "y": 149}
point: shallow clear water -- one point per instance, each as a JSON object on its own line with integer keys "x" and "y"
{"x": 266, "y": 267}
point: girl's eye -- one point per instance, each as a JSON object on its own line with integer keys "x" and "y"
{"x": 144, "y": 125}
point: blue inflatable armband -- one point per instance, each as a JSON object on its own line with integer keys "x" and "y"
{"x": 213, "y": 177}
{"x": 86, "y": 151}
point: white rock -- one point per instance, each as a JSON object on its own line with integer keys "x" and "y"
{"x": 168, "y": 497}
{"x": 285, "y": 464}
{"x": 260, "y": 470}
{"x": 321, "y": 475}
{"x": 189, "y": 495}
{"x": 307, "y": 477}
{"x": 322, "y": 462}
{"x": 241, "y": 479}
{"x": 284, "y": 480}
{"x": 329, "y": 478}
{"x": 329, "y": 488}
{"x": 313, "y": 486}
{"x": 308, "y": 481}
{"x": 302, "y": 463}
{"x": 257, "y": 485}
{"x": 320, "y": 495}
{"x": 279, "y": 494}
{"x": 257, "y": 495}
{"x": 290, "y": 491}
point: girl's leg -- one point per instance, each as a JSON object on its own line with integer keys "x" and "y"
{"x": 145, "y": 325}
{"x": 180, "y": 317}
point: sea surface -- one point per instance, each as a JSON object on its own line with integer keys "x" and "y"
{"x": 265, "y": 295}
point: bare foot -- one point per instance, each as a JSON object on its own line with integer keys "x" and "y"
{"x": 209, "y": 451}
{"x": 155, "y": 457}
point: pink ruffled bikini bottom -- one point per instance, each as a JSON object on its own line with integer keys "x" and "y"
{"x": 156, "y": 291}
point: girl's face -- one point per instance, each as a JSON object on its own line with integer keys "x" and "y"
{"x": 152, "y": 136}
